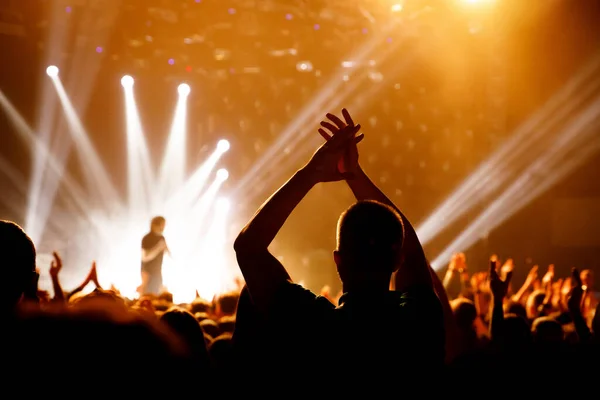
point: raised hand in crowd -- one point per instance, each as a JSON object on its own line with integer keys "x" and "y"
{"x": 55, "y": 267}
{"x": 574, "y": 302}
{"x": 532, "y": 276}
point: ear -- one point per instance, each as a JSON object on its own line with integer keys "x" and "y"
{"x": 337, "y": 258}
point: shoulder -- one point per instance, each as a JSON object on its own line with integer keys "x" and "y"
{"x": 293, "y": 297}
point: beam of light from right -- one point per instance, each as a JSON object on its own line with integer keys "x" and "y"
{"x": 505, "y": 163}
{"x": 575, "y": 145}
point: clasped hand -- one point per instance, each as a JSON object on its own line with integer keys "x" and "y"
{"x": 337, "y": 158}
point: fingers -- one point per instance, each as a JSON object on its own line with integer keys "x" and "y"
{"x": 508, "y": 277}
{"x": 347, "y": 117}
{"x": 324, "y": 134}
{"x": 493, "y": 273}
{"x": 343, "y": 135}
{"x": 328, "y": 125}
{"x": 338, "y": 122}
{"x": 360, "y": 138}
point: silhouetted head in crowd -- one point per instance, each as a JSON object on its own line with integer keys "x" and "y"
{"x": 514, "y": 307}
{"x": 99, "y": 341}
{"x": 516, "y": 332}
{"x": 221, "y": 353}
{"x": 227, "y": 304}
{"x": 157, "y": 225}
{"x": 18, "y": 264}
{"x": 547, "y": 330}
{"x": 369, "y": 246}
{"x": 465, "y": 313}
{"x": 188, "y": 328}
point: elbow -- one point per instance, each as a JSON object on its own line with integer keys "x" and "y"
{"x": 241, "y": 243}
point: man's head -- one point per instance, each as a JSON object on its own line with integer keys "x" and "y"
{"x": 18, "y": 263}
{"x": 157, "y": 225}
{"x": 369, "y": 244}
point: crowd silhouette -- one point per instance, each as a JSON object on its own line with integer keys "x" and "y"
{"x": 396, "y": 326}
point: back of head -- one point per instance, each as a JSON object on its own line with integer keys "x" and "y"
{"x": 18, "y": 263}
{"x": 547, "y": 330}
{"x": 369, "y": 239}
{"x": 98, "y": 341}
{"x": 465, "y": 313}
{"x": 184, "y": 324}
{"x": 516, "y": 332}
{"x": 514, "y": 307}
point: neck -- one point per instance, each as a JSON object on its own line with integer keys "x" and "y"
{"x": 369, "y": 287}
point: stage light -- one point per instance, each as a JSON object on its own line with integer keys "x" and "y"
{"x": 223, "y": 204}
{"x": 127, "y": 81}
{"x": 184, "y": 89}
{"x": 52, "y": 71}
{"x": 222, "y": 174}
{"x": 223, "y": 145}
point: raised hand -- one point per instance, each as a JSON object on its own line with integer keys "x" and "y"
{"x": 507, "y": 267}
{"x": 531, "y": 276}
{"x": 56, "y": 265}
{"x": 348, "y": 163}
{"x": 498, "y": 286}
{"x": 548, "y": 276}
{"x": 324, "y": 163}
{"x": 576, "y": 294}
{"x": 93, "y": 275}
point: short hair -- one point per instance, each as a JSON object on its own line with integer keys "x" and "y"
{"x": 18, "y": 259}
{"x": 370, "y": 233}
{"x": 156, "y": 221}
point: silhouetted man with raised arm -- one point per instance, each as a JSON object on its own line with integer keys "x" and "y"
{"x": 373, "y": 331}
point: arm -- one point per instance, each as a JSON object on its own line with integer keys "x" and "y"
{"x": 452, "y": 350}
{"x": 262, "y": 272}
{"x": 91, "y": 277}
{"x": 151, "y": 254}
{"x": 55, "y": 267}
{"x": 499, "y": 289}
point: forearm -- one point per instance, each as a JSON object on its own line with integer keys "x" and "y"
{"x": 452, "y": 351}
{"x": 497, "y": 320}
{"x": 59, "y": 295}
{"x": 268, "y": 220}
{"x": 153, "y": 253}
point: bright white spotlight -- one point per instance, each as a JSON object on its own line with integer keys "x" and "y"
{"x": 127, "y": 81}
{"x": 184, "y": 89}
{"x": 223, "y": 204}
{"x": 52, "y": 71}
{"x": 223, "y": 145}
{"x": 222, "y": 174}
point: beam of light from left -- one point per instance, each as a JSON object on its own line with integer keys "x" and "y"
{"x": 97, "y": 178}
{"x": 172, "y": 169}
{"x": 71, "y": 189}
{"x": 575, "y": 145}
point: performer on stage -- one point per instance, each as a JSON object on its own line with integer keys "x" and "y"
{"x": 154, "y": 246}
